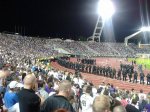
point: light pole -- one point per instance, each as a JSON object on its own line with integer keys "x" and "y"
{"x": 105, "y": 11}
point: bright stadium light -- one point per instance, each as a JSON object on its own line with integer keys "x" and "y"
{"x": 106, "y": 9}
{"x": 143, "y": 29}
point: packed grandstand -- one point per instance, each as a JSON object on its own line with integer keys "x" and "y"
{"x": 40, "y": 47}
{"x": 27, "y": 61}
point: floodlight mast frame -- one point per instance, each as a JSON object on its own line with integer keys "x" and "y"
{"x": 130, "y": 36}
{"x": 106, "y": 10}
{"x": 98, "y": 29}
{"x": 143, "y": 29}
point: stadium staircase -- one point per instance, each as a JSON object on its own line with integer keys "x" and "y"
{"x": 89, "y": 49}
{"x": 96, "y": 80}
{"x": 113, "y": 49}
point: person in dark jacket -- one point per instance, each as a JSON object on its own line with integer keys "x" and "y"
{"x": 131, "y": 107}
{"x": 60, "y": 100}
{"x": 148, "y": 78}
{"x": 135, "y": 76}
{"x": 119, "y": 75}
{"x": 142, "y": 77}
{"x": 114, "y": 73}
{"x": 28, "y": 100}
{"x": 124, "y": 74}
{"x": 130, "y": 75}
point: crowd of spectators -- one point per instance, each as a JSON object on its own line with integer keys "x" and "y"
{"x": 75, "y": 47}
{"x": 122, "y": 50}
{"x": 102, "y": 48}
{"x": 20, "y": 50}
{"x": 145, "y": 50}
{"x": 40, "y": 47}
{"x": 27, "y": 85}
{"x": 43, "y": 89}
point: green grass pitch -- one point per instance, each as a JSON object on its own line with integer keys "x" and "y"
{"x": 141, "y": 61}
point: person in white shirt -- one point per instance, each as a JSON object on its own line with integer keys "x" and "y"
{"x": 80, "y": 82}
{"x": 14, "y": 108}
{"x": 51, "y": 72}
{"x": 142, "y": 95}
{"x": 86, "y": 100}
{"x": 56, "y": 75}
{"x": 75, "y": 80}
{"x": 102, "y": 85}
{"x": 94, "y": 92}
{"x": 74, "y": 89}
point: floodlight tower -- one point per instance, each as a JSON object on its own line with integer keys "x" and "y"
{"x": 98, "y": 29}
{"x": 105, "y": 11}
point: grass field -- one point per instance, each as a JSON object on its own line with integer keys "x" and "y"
{"x": 142, "y": 61}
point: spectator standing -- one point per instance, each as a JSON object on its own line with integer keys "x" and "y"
{"x": 86, "y": 100}
{"x": 131, "y": 107}
{"x": 101, "y": 104}
{"x": 147, "y": 106}
{"x": 123, "y": 101}
{"x": 60, "y": 100}
{"x": 10, "y": 97}
{"x": 42, "y": 91}
{"x": 28, "y": 100}
{"x": 119, "y": 109}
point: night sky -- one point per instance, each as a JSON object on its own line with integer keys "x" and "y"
{"x": 69, "y": 18}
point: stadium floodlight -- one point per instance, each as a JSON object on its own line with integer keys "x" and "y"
{"x": 106, "y": 9}
{"x": 143, "y": 29}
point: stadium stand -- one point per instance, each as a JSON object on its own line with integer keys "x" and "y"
{"x": 27, "y": 79}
